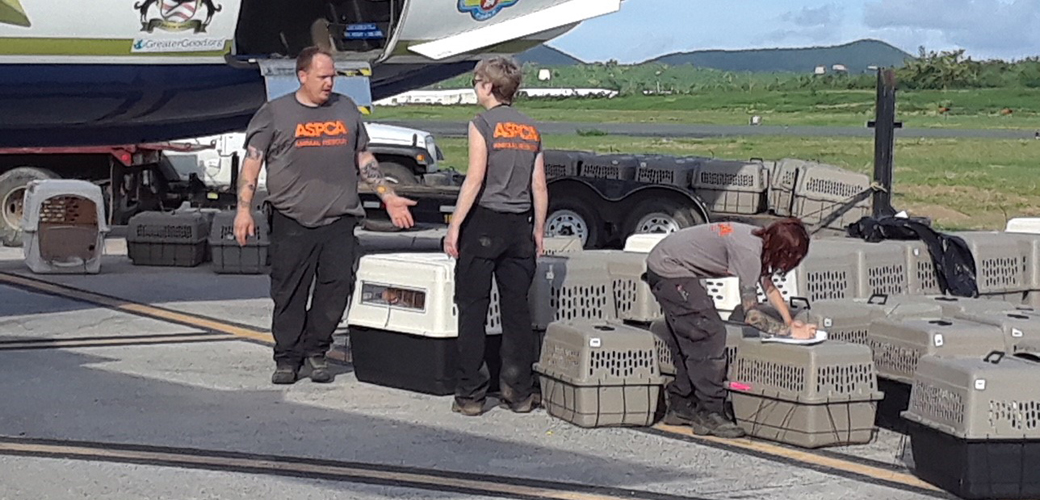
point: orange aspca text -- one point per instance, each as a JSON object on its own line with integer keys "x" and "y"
{"x": 318, "y": 129}
{"x": 514, "y": 130}
{"x": 723, "y": 228}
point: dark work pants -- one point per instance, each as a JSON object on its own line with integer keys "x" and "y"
{"x": 300, "y": 256}
{"x": 698, "y": 342}
{"x": 500, "y": 245}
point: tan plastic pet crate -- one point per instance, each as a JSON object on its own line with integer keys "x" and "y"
{"x": 975, "y": 424}
{"x": 736, "y": 187}
{"x": 848, "y": 320}
{"x": 599, "y": 374}
{"x": 734, "y": 334}
{"x": 899, "y": 344}
{"x": 571, "y": 287}
{"x": 808, "y": 396}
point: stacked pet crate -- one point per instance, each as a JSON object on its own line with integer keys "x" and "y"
{"x": 822, "y": 190}
{"x": 616, "y": 167}
{"x": 783, "y": 179}
{"x": 668, "y": 170}
{"x": 231, "y": 258}
{"x": 1029, "y": 227}
{"x": 735, "y": 333}
{"x": 572, "y": 287}
{"x": 898, "y": 345}
{"x": 599, "y": 374}
{"x": 809, "y": 396}
{"x": 975, "y": 424}
{"x": 168, "y": 239}
{"x": 564, "y": 163}
{"x": 849, "y": 320}
{"x": 404, "y": 323}
{"x": 734, "y": 187}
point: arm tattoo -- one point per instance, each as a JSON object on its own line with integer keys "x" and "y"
{"x": 757, "y": 318}
{"x": 254, "y": 154}
{"x": 370, "y": 174}
{"x": 246, "y": 191}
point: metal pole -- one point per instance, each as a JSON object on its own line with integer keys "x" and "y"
{"x": 884, "y": 142}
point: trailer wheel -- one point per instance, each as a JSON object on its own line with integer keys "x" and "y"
{"x": 397, "y": 173}
{"x": 574, "y": 217}
{"x": 661, "y": 215}
{"x": 12, "y": 196}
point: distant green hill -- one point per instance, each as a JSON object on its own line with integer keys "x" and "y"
{"x": 856, "y": 56}
{"x": 543, "y": 55}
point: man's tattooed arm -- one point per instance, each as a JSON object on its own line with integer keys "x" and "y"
{"x": 759, "y": 319}
{"x": 371, "y": 174}
{"x": 249, "y": 176}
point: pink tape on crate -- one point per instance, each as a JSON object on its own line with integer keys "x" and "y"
{"x": 737, "y": 386}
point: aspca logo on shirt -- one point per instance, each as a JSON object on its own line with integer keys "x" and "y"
{"x": 507, "y": 133}
{"x": 310, "y": 134}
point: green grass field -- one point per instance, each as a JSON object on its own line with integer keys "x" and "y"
{"x": 977, "y": 109}
{"x": 960, "y": 183}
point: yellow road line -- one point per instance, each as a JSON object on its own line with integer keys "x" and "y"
{"x": 405, "y": 479}
{"x": 137, "y": 308}
{"x": 806, "y": 457}
{"x": 159, "y": 339}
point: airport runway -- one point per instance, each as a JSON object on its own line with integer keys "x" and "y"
{"x": 151, "y": 382}
{"x": 458, "y": 129}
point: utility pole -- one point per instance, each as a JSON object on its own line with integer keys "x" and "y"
{"x": 884, "y": 126}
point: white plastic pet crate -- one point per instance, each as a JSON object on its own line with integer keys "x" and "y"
{"x": 643, "y": 243}
{"x": 411, "y": 293}
{"x": 560, "y": 245}
{"x": 64, "y": 224}
{"x": 1028, "y": 225}
{"x": 735, "y": 187}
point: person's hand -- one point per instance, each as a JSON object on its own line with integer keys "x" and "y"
{"x": 245, "y": 226}
{"x": 539, "y": 243}
{"x": 451, "y": 241}
{"x": 397, "y": 209}
{"x": 802, "y": 331}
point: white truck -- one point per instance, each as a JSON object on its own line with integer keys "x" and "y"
{"x": 405, "y": 155}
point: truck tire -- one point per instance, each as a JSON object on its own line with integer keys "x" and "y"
{"x": 12, "y": 192}
{"x": 574, "y": 217}
{"x": 397, "y": 173}
{"x": 661, "y": 215}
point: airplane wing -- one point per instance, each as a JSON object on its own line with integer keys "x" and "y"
{"x": 11, "y": 12}
{"x": 536, "y": 22}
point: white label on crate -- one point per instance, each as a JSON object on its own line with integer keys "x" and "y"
{"x": 938, "y": 340}
{"x": 828, "y": 322}
{"x": 980, "y": 384}
{"x": 549, "y": 275}
{"x": 1015, "y": 332}
{"x": 595, "y": 342}
{"x": 917, "y": 252}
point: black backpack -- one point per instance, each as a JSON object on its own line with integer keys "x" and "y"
{"x": 953, "y": 260}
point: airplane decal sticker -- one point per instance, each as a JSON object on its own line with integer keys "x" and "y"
{"x": 11, "y": 12}
{"x": 482, "y": 10}
{"x": 176, "y": 15}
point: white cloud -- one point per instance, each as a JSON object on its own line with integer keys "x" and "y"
{"x": 814, "y": 16}
{"x": 987, "y": 28}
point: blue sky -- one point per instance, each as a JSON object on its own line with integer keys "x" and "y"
{"x": 1007, "y": 29}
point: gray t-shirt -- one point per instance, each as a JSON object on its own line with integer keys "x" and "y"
{"x": 710, "y": 251}
{"x": 513, "y": 143}
{"x": 311, "y": 157}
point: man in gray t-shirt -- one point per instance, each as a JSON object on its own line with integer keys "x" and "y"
{"x": 696, "y": 334}
{"x": 314, "y": 144}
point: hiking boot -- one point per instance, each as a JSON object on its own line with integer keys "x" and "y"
{"x": 679, "y": 413}
{"x": 319, "y": 369}
{"x": 714, "y": 424}
{"x": 284, "y": 375}
{"x": 508, "y": 400}
{"x": 467, "y": 408}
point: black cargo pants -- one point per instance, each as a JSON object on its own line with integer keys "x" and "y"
{"x": 698, "y": 342}
{"x": 300, "y": 256}
{"x": 500, "y": 245}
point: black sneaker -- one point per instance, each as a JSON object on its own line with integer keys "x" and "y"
{"x": 319, "y": 369}
{"x": 468, "y": 408}
{"x": 284, "y": 375}
{"x": 679, "y": 413}
{"x": 714, "y": 424}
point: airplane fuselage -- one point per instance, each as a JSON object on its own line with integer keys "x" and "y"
{"x": 123, "y": 71}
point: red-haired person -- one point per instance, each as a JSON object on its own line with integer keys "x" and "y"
{"x": 675, "y": 268}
